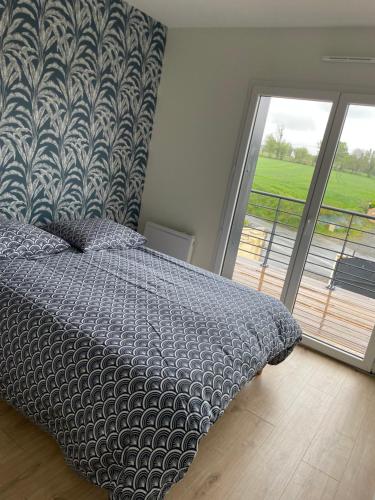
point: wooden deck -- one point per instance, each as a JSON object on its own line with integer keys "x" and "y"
{"x": 337, "y": 317}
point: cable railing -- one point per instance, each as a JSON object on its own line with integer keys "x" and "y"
{"x": 342, "y": 252}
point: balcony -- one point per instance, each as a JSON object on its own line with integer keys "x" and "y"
{"x": 336, "y": 299}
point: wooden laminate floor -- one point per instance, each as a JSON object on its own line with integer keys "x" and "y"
{"x": 338, "y": 317}
{"x": 304, "y": 429}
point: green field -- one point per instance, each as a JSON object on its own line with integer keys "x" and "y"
{"x": 345, "y": 190}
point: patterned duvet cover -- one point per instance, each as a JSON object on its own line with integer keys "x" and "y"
{"x": 128, "y": 357}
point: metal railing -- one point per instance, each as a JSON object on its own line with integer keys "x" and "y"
{"x": 342, "y": 252}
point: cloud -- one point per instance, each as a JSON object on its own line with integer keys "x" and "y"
{"x": 358, "y": 112}
{"x": 305, "y": 122}
{"x": 294, "y": 122}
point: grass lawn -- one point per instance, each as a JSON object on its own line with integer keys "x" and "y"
{"x": 345, "y": 190}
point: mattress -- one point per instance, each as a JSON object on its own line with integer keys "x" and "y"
{"x": 129, "y": 357}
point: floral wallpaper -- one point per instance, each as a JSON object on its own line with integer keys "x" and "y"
{"x": 78, "y": 87}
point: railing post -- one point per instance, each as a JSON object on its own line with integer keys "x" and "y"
{"x": 331, "y": 285}
{"x": 273, "y": 231}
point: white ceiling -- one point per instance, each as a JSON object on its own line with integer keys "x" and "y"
{"x": 259, "y": 13}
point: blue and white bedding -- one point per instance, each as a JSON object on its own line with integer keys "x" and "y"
{"x": 128, "y": 357}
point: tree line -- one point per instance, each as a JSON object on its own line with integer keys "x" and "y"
{"x": 358, "y": 161}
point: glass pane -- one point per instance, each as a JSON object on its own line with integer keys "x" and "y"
{"x": 336, "y": 299}
{"x": 293, "y": 131}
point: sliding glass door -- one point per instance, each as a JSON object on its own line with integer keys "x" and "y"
{"x": 303, "y": 221}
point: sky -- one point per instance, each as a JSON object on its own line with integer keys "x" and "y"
{"x": 305, "y": 121}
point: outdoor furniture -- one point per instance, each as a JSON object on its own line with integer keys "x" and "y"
{"x": 356, "y": 275}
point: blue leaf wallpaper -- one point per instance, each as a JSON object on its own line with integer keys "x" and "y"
{"x": 78, "y": 88}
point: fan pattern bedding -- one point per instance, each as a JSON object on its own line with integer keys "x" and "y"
{"x": 91, "y": 235}
{"x": 128, "y": 357}
{"x": 18, "y": 240}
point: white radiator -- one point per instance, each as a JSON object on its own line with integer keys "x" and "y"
{"x": 173, "y": 243}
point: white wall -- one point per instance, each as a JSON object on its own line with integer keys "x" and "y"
{"x": 202, "y": 101}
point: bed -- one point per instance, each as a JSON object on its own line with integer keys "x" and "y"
{"x": 128, "y": 357}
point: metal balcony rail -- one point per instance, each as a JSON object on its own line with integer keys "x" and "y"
{"x": 342, "y": 251}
